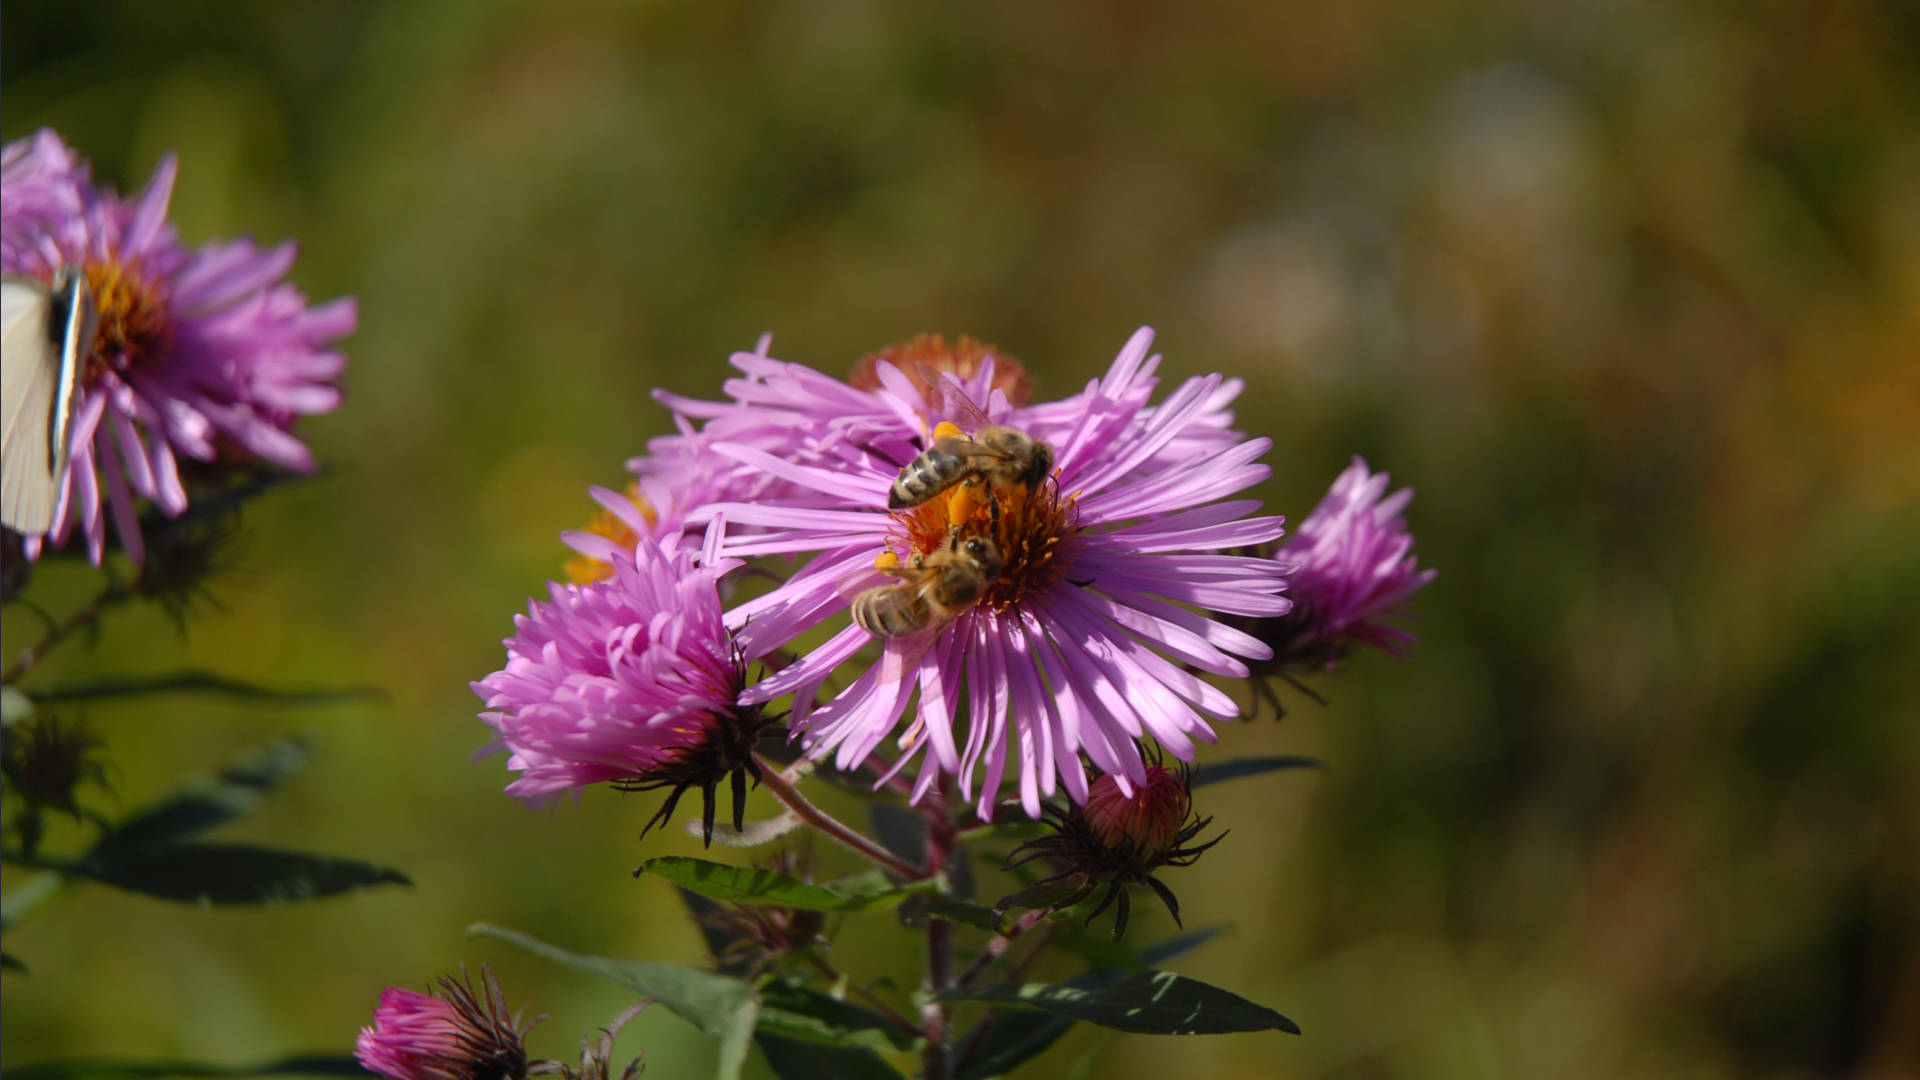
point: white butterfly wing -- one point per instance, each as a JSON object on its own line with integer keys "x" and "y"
{"x": 29, "y": 382}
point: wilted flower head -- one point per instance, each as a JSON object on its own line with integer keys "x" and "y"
{"x": 451, "y": 1033}
{"x": 1351, "y": 570}
{"x": 632, "y": 681}
{"x": 44, "y": 760}
{"x": 1117, "y": 839}
{"x": 1089, "y": 635}
{"x": 596, "y": 1055}
{"x": 207, "y": 355}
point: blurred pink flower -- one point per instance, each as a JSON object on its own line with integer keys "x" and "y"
{"x": 204, "y": 354}
{"x": 456, "y": 1033}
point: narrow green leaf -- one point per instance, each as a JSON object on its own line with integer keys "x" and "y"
{"x": 232, "y": 873}
{"x": 794, "y": 1009}
{"x": 195, "y": 681}
{"x": 797, "y": 1059}
{"x": 710, "y": 1002}
{"x": 1012, "y": 1038}
{"x": 236, "y": 791}
{"x": 1145, "y": 1002}
{"x": 119, "y": 1069}
{"x": 1178, "y": 945}
{"x": 1222, "y": 771}
{"x": 737, "y": 1040}
{"x": 751, "y": 885}
{"x": 957, "y": 911}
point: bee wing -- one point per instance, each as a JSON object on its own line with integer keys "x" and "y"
{"x": 29, "y": 383}
{"x": 948, "y": 400}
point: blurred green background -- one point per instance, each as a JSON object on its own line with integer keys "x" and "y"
{"x": 1630, "y": 292}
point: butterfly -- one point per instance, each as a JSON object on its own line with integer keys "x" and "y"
{"x": 46, "y": 332}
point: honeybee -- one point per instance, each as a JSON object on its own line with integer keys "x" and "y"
{"x": 1000, "y": 456}
{"x": 933, "y": 587}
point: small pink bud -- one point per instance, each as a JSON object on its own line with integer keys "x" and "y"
{"x": 1148, "y": 823}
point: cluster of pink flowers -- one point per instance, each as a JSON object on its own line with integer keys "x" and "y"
{"x": 1132, "y": 572}
{"x": 206, "y": 355}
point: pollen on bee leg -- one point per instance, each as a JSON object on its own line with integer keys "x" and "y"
{"x": 962, "y": 503}
{"x": 886, "y": 560}
{"x": 947, "y": 429}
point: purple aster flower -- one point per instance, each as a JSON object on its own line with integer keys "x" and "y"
{"x": 204, "y": 354}
{"x": 1085, "y": 641}
{"x": 1350, "y": 569}
{"x": 632, "y": 681}
{"x": 453, "y": 1033}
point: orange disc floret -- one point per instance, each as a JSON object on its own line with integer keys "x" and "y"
{"x": 962, "y": 358}
{"x": 582, "y": 570}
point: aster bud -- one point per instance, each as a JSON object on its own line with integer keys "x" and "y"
{"x": 1114, "y": 841}
{"x": 1144, "y": 824}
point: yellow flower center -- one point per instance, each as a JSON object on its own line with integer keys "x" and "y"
{"x": 134, "y": 331}
{"x": 1028, "y": 529}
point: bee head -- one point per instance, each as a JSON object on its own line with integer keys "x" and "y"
{"x": 983, "y": 553}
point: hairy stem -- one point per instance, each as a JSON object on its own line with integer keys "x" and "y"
{"x": 997, "y": 947}
{"x": 73, "y": 623}
{"x": 789, "y": 795}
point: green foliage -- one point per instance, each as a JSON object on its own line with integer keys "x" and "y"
{"x": 751, "y": 885}
{"x": 1147, "y": 1002}
{"x": 195, "y": 681}
{"x": 238, "y": 790}
{"x": 127, "y": 1069}
{"x": 231, "y": 873}
{"x": 1219, "y": 772}
{"x": 794, "y": 1059}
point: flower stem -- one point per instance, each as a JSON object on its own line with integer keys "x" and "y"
{"x": 942, "y": 840}
{"x": 789, "y": 795}
{"x": 79, "y": 620}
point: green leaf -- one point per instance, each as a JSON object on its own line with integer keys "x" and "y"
{"x": 118, "y": 1069}
{"x": 1145, "y": 1002}
{"x": 1222, "y": 771}
{"x": 195, "y": 681}
{"x": 751, "y": 885}
{"x": 797, "y": 1059}
{"x": 232, "y": 873}
{"x": 710, "y": 1002}
{"x": 1013, "y": 1038}
{"x": 1178, "y": 945}
{"x": 236, "y": 791}
{"x": 958, "y": 911}
{"x": 737, "y": 1039}
{"x": 799, "y": 1011}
